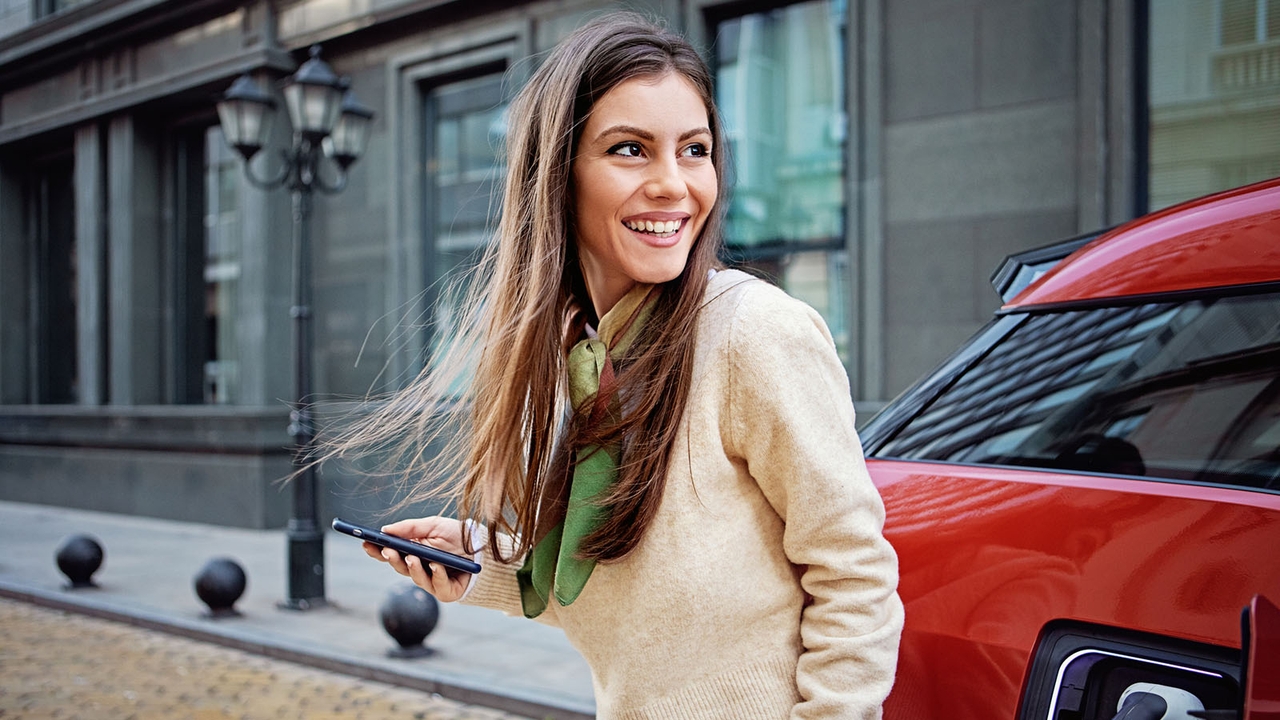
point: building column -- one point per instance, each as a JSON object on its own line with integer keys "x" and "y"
{"x": 263, "y": 326}
{"x": 1126, "y": 155}
{"x": 133, "y": 258}
{"x": 15, "y": 335}
{"x": 91, "y": 265}
{"x": 864, "y": 217}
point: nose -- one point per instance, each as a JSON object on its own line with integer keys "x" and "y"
{"x": 665, "y": 180}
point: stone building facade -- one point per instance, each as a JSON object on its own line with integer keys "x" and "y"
{"x": 886, "y": 157}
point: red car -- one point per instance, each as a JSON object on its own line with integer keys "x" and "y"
{"x": 1085, "y": 498}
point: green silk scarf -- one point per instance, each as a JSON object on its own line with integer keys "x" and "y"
{"x": 554, "y": 566}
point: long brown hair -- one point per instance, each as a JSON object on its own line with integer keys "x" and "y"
{"x": 503, "y": 449}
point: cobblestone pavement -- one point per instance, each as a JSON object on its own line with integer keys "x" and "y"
{"x": 55, "y": 664}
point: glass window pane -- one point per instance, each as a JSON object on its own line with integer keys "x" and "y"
{"x": 1195, "y": 396}
{"x": 445, "y": 160}
{"x": 465, "y": 134}
{"x": 482, "y": 140}
{"x": 780, "y": 88}
{"x": 464, "y": 149}
{"x": 42, "y": 8}
{"x": 1214, "y": 97}
{"x": 1239, "y": 21}
{"x": 222, "y": 265}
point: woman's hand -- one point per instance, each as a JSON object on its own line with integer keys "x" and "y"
{"x": 438, "y": 532}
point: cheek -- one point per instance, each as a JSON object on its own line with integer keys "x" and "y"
{"x": 708, "y": 193}
{"x": 592, "y": 201}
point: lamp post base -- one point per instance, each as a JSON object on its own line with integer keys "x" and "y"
{"x": 302, "y": 604}
{"x": 306, "y": 570}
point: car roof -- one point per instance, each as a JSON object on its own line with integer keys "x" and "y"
{"x": 1223, "y": 240}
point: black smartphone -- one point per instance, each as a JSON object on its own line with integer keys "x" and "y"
{"x": 407, "y": 547}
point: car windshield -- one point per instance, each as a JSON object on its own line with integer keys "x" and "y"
{"x": 1183, "y": 391}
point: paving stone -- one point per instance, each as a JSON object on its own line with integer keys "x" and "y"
{"x": 59, "y": 665}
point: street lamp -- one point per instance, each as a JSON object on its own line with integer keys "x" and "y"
{"x": 328, "y": 122}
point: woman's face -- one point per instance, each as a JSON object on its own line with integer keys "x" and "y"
{"x": 643, "y": 183}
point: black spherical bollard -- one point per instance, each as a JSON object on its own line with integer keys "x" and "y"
{"x": 408, "y": 616}
{"x": 219, "y": 584}
{"x": 79, "y": 558}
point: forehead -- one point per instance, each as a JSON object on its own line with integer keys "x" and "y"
{"x": 669, "y": 99}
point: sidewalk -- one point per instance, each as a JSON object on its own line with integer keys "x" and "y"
{"x": 148, "y": 579}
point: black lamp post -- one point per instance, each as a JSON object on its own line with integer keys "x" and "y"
{"x": 327, "y": 122}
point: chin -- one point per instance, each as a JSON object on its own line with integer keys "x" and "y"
{"x": 662, "y": 270}
{"x": 664, "y": 275}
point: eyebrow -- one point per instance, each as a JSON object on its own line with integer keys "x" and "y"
{"x": 646, "y": 135}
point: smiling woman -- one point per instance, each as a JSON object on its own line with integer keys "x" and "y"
{"x": 643, "y": 185}
{"x": 654, "y": 453}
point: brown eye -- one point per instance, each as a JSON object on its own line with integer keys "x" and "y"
{"x": 697, "y": 150}
{"x": 626, "y": 149}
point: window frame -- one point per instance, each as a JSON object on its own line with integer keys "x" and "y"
{"x": 432, "y": 271}
{"x": 185, "y": 341}
{"x": 847, "y": 261}
{"x": 505, "y": 43}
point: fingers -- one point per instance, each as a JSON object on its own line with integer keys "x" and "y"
{"x": 415, "y": 527}
{"x": 441, "y": 532}
{"x": 440, "y": 583}
{"x": 398, "y": 562}
{"x": 433, "y": 578}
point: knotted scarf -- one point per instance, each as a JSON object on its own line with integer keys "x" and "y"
{"x": 554, "y": 565}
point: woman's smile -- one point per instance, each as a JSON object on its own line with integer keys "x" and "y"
{"x": 643, "y": 185}
{"x": 657, "y": 229}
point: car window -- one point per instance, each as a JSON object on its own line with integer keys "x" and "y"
{"x": 1183, "y": 391}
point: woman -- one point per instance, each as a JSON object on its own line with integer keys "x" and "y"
{"x": 660, "y": 454}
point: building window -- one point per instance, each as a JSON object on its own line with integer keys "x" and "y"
{"x": 221, "y": 268}
{"x": 209, "y": 258}
{"x": 780, "y": 89}
{"x": 42, "y": 8}
{"x": 50, "y": 210}
{"x": 465, "y": 130}
{"x": 1214, "y": 96}
{"x": 1243, "y": 22}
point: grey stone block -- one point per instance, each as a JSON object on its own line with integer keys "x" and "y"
{"x": 930, "y": 60}
{"x": 982, "y": 164}
{"x": 1027, "y": 52}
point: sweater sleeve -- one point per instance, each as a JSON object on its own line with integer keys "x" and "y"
{"x": 791, "y": 420}
{"x": 496, "y": 586}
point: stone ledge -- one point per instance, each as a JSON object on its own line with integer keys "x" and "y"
{"x": 169, "y": 427}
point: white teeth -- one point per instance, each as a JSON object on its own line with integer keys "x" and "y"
{"x": 658, "y": 228}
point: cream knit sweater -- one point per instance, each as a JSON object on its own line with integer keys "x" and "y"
{"x": 763, "y": 588}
